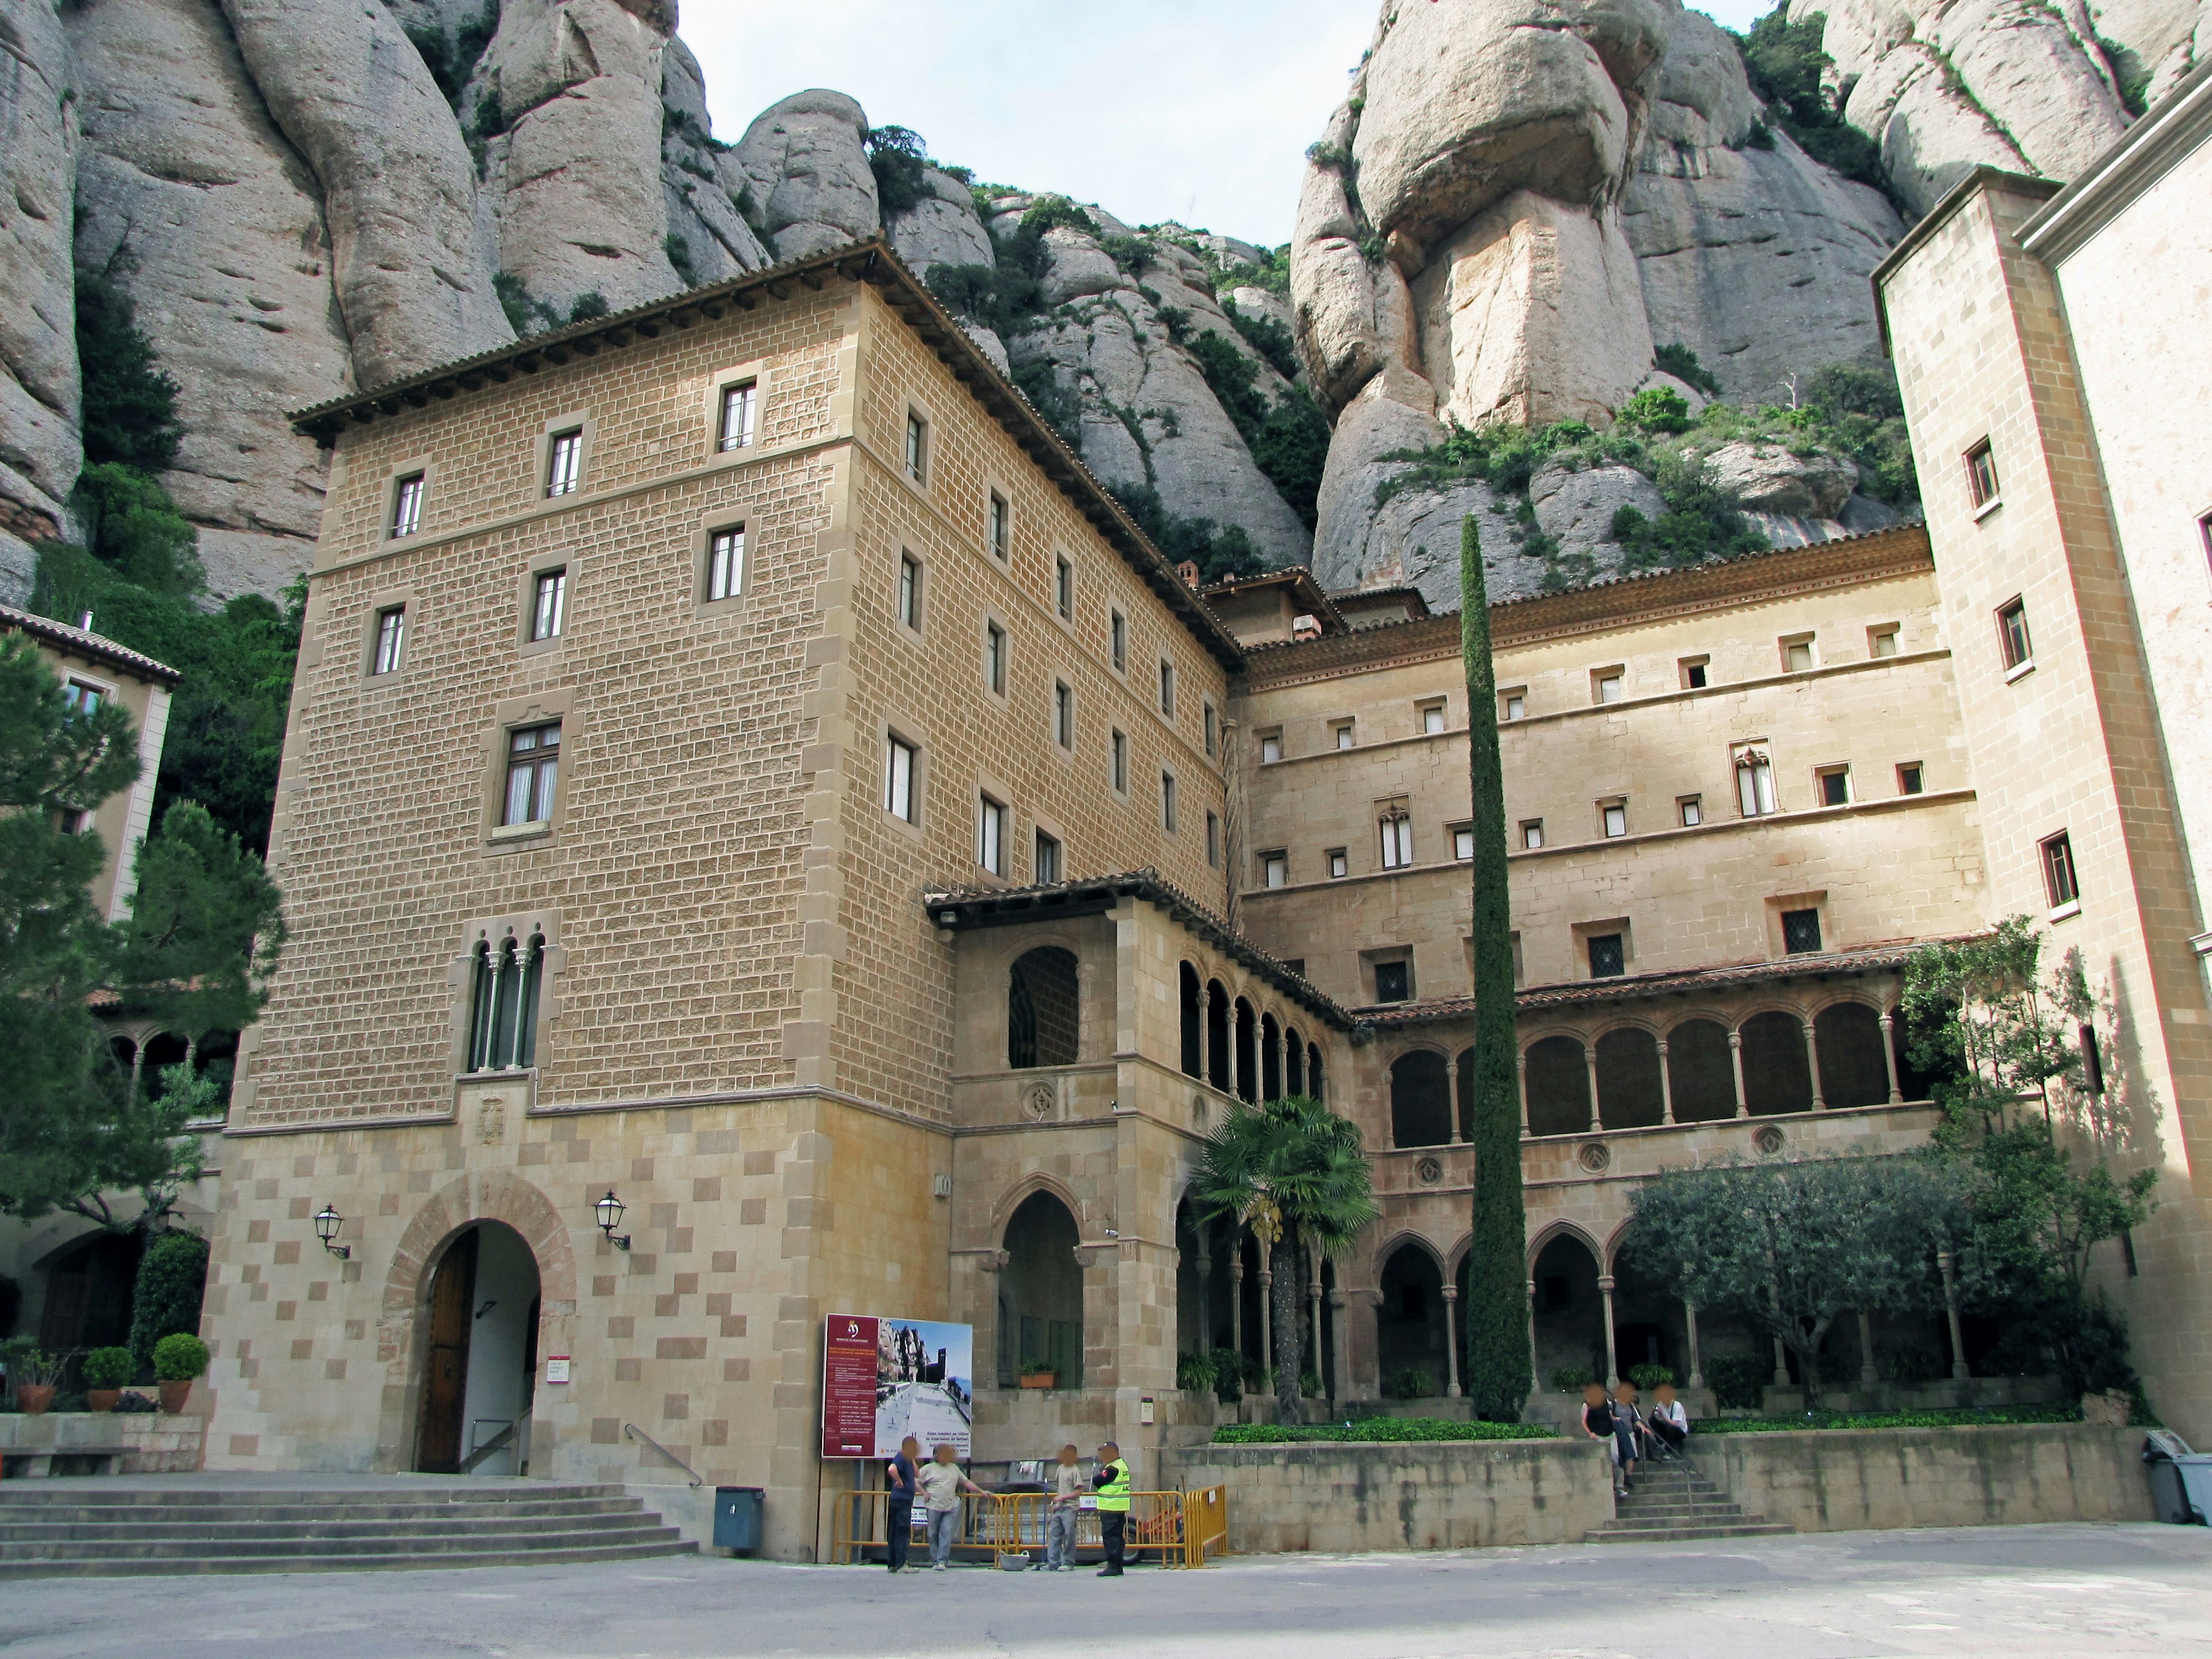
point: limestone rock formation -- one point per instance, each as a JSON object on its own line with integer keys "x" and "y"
{"x": 806, "y": 163}
{"x": 1578, "y": 506}
{"x": 943, "y": 228}
{"x": 1768, "y": 478}
{"x": 39, "y": 447}
{"x": 708, "y": 240}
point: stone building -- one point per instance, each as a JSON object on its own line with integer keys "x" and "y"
{"x": 743, "y": 765}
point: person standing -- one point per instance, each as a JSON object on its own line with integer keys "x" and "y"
{"x": 1112, "y": 1508}
{"x": 1627, "y": 1430}
{"x": 1065, "y": 1510}
{"x": 1597, "y": 1425}
{"x": 941, "y": 1483}
{"x": 899, "y": 1475}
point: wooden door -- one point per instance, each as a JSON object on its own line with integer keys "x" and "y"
{"x": 445, "y": 1384}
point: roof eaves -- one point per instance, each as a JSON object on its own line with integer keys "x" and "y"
{"x": 87, "y": 644}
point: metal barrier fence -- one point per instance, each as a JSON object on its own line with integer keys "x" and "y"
{"x": 1176, "y": 1527}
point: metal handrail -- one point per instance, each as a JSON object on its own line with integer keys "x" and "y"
{"x": 469, "y": 1463}
{"x": 1178, "y": 1528}
{"x": 631, "y": 1430}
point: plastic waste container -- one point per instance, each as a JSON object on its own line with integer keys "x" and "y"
{"x": 738, "y": 1518}
{"x": 2180, "y": 1480}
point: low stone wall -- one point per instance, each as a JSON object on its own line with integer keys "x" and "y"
{"x": 1333, "y": 1496}
{"x": 150, "y": 1442}
{"x": 2005, "y": 1474}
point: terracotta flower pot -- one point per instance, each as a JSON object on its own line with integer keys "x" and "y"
{"x": 34, "y": 1397}
{"x": 1040, "y": 1379}
{"x": 174, "y": 1392}
{"x": 101, "y": 1399}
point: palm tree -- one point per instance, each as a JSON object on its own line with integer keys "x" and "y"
{"x": 1288, "y": 1170}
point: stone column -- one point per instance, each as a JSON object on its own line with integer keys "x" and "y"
{"x": 1951, "y": 1313}
{"x": 1313, "y": 1300}
{"x": 1866, "y": 1346}
{"x": 1340, "y": 1347}
{"x": 1266, "y": 1304}
{"x": 1590, "y": 1066}
{"x": 1451, "y": 1342}
{"x": 1458, "y": 1106}
{"x": 1520, "y": 1069}
{"x": 1813, "y": 1064}
{"x": 1735, "y": 1062}
{"x": 1237, "y": 1303}
{"x": 1666, "y": 1086}
{"x": 1530, "y": 1303}
{"x": 1889, "y": 1058}
{"x": 1697, "y": 1365}
{"x": 1612, "y": 1359}
{"x": 1204, "y": 1295}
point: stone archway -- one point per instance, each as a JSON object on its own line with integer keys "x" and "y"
{"x": 499, "y": 1195}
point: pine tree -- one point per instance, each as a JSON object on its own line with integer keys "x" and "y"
{"x": 1498, "y": 1376}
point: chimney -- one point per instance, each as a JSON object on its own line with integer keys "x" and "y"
{"x": 85, "y": 621}
{"x": 1188, "y": 572}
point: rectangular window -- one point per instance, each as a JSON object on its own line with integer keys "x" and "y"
{"x": 725, "y": 563}
{"x": 1692, "y": 809}
{"x": 1275, "y": 869}
{"x": 1609, "y": 955}
{"x": 1340, "y": 863}
{"x": 1532, "y": 833}
{"x": 1432, "y": 719}
{"x": 991, "y": 835}
{"x": 1213, "y": 840}
{"x": 2059, "y": 873}
{"x": 1835, "y": 785}
{"x": 1754, "y": 783}
{"x": 1513, "y": 704}
{"x": 391, "y": 639}
{"x": 1063, "y": 589}
{"x": 1118, "y": 627}
{"x": 1000, "y": 528}
{"x": 1394, "y": 981}
{"x": 917, "y": 447}
{"x": 1613, "y": 816}
{"x": 407, "y": 505}
{"x": 909, "y": 591}
{"x": 1800, "y": 932}
{"x": 994, "y": 658}
{"x": 1981, "y": 474}
{"x": 1693, "y": 672}
{"x": 1910, "y": 779}
{"x": 533, "y": 769}
{"x": 564, "y": 459}
{"x": 740, "y": 407}
{"x": 1882, "y": 642}
{"x": 1045, "y": 863}
{"x": 898, "y": 780}
{"x": 1797, "y": 654}
{"x": 1397, "y": 834}
{"x": 1167, "y": 688}
{"x": 2013, "y": 638}
{"x": 1271, "y": 747}
{"x": 1168, "y": 802}
{"x": 1063, "y": 715}
{"x": 1606, "y": 685}
{"x": 549, "y": 610}
{"x": 1121, "y": 763}
{"x": 81, "y": 698}
{"x": 1346, "y": 734}
{"x": 1463, "y": 842}
{"x": 1212, "y": 733}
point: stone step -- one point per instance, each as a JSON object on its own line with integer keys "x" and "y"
{"x": 398, "y": 1560}
{"x": 133, "y": 1515}
{"x": 427, "y": 1495}
{"x": 1673, "y": 1534}
{"x": 1726, "y": 1517}
{"x": 244, "y": 1529}
{"x": 492, "y": 1539}
{"x": 1677, "y": 1512}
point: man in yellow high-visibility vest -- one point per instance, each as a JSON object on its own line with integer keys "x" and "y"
{"x": 1112, "y": 1507}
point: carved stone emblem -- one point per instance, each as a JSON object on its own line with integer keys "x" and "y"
{"x": 1594, "y": 1157}
{"x": 1770, "y": 1139}
{"x": 1038, "y": 1101}
{"x": 491, "y": 1120}
{"x": 1429, "y": 1171}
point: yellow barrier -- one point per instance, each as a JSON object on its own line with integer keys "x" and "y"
{"x": 1178, "y": 1528}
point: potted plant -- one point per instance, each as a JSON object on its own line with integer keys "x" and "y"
{"x": 1197, "y": 1372}
{"x": 105, "y": 1371}
{"x": 33, "y": 1373}
{"x": 1038, "y": 1374}
{"x": 178, "y": 1358}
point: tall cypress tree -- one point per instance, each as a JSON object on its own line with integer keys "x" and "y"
{"x": 1498, "y": 1370}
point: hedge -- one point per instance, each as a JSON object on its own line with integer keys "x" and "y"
{"x": 1379, "y": 1429}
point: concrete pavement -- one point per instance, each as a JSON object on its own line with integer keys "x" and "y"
{"x": 2063, "y": 1591}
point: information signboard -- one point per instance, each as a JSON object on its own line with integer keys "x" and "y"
{"x": 883, "y": 1379}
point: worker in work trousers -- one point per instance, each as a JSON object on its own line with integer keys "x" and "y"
{"x": 1112, "y": 1507}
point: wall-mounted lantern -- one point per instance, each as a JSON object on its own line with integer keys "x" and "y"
{"x": 610, "y": 1213}
{"x": 327, "y": 1223}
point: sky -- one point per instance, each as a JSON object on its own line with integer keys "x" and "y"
{"x": 1195, "y": 110}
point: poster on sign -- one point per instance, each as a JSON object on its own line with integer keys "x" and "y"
{"x": 883, "y": 1379}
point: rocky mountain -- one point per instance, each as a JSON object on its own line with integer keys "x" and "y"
{"x": 1526, "y": 211}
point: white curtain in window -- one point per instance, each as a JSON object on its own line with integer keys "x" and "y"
{"x": 1397, "y": 841}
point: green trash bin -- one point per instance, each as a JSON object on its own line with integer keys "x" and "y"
{"x": 738, "y": 1518}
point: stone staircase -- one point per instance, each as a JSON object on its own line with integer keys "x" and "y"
{"x": 91, "y": 1529}
{"x": 1673, "y": 1503}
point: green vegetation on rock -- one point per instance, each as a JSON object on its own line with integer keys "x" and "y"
{"x": 1377, "y": 1430}
{"x": 1784, "y": 62}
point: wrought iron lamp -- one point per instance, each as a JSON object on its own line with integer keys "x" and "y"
{"x": 327, "y": 1223}
{"x": 610, "y": 1213}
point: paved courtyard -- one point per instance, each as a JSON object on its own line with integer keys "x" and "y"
{"x": 2069, "y": 1590}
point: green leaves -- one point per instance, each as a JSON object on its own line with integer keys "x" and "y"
{"x": 1285, "y": 1167}
{"x": 1386, "y": 1430}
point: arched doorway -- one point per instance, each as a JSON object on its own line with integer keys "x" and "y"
{"x": 1041, "y": 1295}
{"x": 1852, "y": 1070}
{"x": 1421, "y": 1099}
{"x": 481, "y": 1360}
{"x": 1570, "y": 1314}
{"x": 1777, "y": 1075}
{"x": 1559, "y": 1087}
{"x": 1700, "y": 1070}
{"x": 88, "y": 1286}
{"x": 1409, "y": 1325}
{"x": 1628, "y": 1094}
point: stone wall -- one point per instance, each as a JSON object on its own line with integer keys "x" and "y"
{"x": 2000, "y": 1476}
{"x": 154, "y": 1442}
{"x": 1433, "y": 1496}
